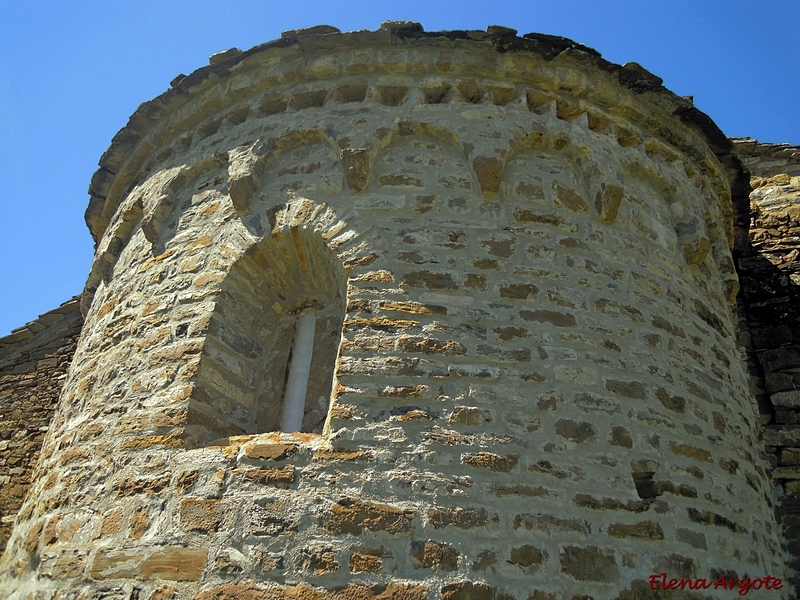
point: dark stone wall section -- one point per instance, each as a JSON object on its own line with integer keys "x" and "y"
{"x": 769, "y": 272}
{"x": 33, "y": 364}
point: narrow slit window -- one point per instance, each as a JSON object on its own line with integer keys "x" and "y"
{"x": 299, "y": 370}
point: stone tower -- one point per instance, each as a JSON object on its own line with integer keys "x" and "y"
{"x": 406, "y": 315}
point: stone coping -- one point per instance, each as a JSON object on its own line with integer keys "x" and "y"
{"x": 323, "y": 38}
{"x": 27, "y": 331}
{"x": 764, "y": 159}
{"x": 749, "y": 147}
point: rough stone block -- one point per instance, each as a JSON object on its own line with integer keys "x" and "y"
{"x": 493, "y": 462}
{"x": 435, "y": 555}
{"x": 200, "y": 514}
{"x": 356, "y": 516}
{"x": 589, "y": 564}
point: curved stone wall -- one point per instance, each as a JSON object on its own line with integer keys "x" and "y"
{"x": 537, "y": 390}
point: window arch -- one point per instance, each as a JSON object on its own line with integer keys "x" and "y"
{"x": 277, "y": 321}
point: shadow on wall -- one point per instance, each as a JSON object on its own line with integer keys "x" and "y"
{"x": 771, "y": 300}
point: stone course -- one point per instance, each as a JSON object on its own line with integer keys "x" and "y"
{"x": 527, "y": 378}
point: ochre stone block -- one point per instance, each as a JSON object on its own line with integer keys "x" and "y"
{"x": 331, "y": 454}
{"x": 140, "y": 520}
{"x": 643, "y": 530}
{"x": 693, "y": 452}
{"x": 318, "y": 560}
{"x": 431, "y": 280}
{"x": 469, "y": 415}
{"x": 467, "y": 590}
{"x": 234, "y": 591}
{"x": 172, "y": 564}
{"x": 435, "y": 555}
{"x": 356, "y": 165}
{"x": 526, "y": 556}
{"x": 589, "y": 564}
{"x": 464, "y": 518}
{"x": 356, "y": 516}
{"x": 273, "y": 451}
{"x": 200, "y": 514}
{"x": 431, "y": 346}
{"x": 413, "y": 308}
{"x": 406, "y": 391}
{"x": 129, "y": 486}
{"x": 282, "y": 476}
{"x": 489, "y": 171}
{"x": 493, "y": 462}
{"x": 379, "y": 323}
{"x": 365, "y": 562}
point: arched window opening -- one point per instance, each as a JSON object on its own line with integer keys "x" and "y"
{"x": 270, "y": 354}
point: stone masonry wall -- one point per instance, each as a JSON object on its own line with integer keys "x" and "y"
{"x": 537, "y": 390}
{"x": 33, "y": 366}
{"x": 770, "y": 277}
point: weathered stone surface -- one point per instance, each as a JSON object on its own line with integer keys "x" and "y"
{"x": 521, "y": 267}
{"x": 435, "y": 555}
{"x": 355, "y": 162}
{"x": 526, "y": 556}
{"x": 464, "y": 518}
{"x": 174, "y": 564}
{"x": 643, "y": 530}
{"x": 281, "y": 476}
{"x": 276, "y": 451}
{"x": 365, "y": 562}
{"x": 467, "y": 590}
{"x": 199, "y": 514}
{"x": 488, "y": 460}
{"x": 576, "y": 431}
{"x": 33, "y": 363}
{"x": 356, "y": 516}
{"x": 589, "y": 564}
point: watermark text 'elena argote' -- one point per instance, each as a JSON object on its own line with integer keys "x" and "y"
{"x": 660, "y": 581}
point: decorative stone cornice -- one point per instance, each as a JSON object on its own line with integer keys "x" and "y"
{"x": 121, "y": 163}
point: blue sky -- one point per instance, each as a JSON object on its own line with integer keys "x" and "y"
{"x": 71, "y": 73}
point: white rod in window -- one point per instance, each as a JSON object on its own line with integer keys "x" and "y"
{"x": 294, "y": 402}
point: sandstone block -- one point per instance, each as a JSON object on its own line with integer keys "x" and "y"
{"x": 647, "y": 530}
{"x": 356, "y": 516}
{"x": 629, "y": 389}
{"x": 693, "y": 452}
{"x": 365, "y": 562}
{"x": 172, "y": 564}
{"x": 200, "y": 514}
{"x": 576, "y": 431}
{"x": 469, "y": 415}
{"x": 318, "y": 560}
{"x": 467, "y": 590}
{"x": 129, "y": 486}
{"x": 493, "y": 462}
{"x": 464, "y": 518}
{"x": 589, "y": 564}
{"x": 275, "y": 451}
{"x": 526, "y": 556}
{"x": 549, "y": 316}
{"x": 435, "y": 555}
{"x": 284, "y": 476}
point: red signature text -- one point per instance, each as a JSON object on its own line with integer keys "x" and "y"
{"x": 660, "y": 581}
